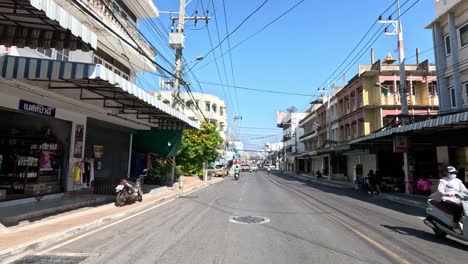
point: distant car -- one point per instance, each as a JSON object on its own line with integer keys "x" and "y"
{"x": 245, "y": 167}
{"x": 273, "y": 167}
{"x": 254, "y": 168}
{"x": 217, "y": 170}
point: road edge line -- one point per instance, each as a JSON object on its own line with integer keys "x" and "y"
{"x": 11, "y": 254}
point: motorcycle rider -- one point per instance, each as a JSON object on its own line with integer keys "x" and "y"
{"x": 448, "y": 187}
{"x": 236, "y": 169}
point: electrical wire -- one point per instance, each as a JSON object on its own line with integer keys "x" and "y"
{"x": 237, "y": 28}
{"x": 230, "y": 58}
{"x": 254, "y": 34}
{"x": 256, "y": 89}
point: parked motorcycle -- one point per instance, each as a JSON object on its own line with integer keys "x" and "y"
{"x": 129, "y": 192}
{"x": 440, "y": 219}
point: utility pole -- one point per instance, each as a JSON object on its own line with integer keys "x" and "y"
{"x": 176, "y": 41}
{"x": 398, "y": 31}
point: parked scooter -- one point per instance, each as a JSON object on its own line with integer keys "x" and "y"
{"x": 440, "y": 219}
{"x": 129, "y": 192}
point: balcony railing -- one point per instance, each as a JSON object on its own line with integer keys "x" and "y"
{"x": 120, "y": 20}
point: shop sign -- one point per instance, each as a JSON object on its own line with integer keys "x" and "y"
{"x": 36, "y": 108}
{"x": 400, "y": 143}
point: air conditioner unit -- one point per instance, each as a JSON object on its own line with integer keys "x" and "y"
{"x": 176, "y": 40}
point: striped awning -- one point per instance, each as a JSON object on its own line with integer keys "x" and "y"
{"x": 42, "y": 24}
{"x": 95, "y": 83}
{"x": 433, "y": 123}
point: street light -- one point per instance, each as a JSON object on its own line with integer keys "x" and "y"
{"x": 199, "y": 58}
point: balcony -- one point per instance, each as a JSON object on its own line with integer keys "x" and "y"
{"x": 118, "y": 21}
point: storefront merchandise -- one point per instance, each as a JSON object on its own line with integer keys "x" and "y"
{"x": 33, "y": 154}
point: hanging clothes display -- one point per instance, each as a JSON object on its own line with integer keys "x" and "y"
{"x": 86, "y": 172}
{"x": 76, "y": 173}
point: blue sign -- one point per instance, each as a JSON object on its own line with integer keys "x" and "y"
{"x": 36, "y": 108}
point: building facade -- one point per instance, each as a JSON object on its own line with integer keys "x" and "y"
{"x": 450, "y": 36}
{"x": 369, "y": 102}
{"x": 67, "y": 97}
{"x": 199, "y": 105}
{"x": 291, "y": 144}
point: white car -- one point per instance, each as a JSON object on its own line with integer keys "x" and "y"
{"x": 254, "y": 168}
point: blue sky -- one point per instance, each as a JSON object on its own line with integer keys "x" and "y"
{"x": 295, "y": 54}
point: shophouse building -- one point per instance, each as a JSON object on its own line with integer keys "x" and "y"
{"x": 368, "y": 103}
{"x": 70, "y": 109}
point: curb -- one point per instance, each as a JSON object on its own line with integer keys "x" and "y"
{"x": 381, "y": 197}
{"x": 403, "y": 201}
{"x": 11, "y": 254}
{"x": 58, "y": 209}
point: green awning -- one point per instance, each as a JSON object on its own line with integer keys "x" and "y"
{"x": 159, "y": 141}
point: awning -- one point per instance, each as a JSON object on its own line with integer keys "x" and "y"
{"x": 448, "y": 120}
{"x": 163, "y": 142}
{"x": 93, "y": 82}
{"x": 42, "y": 24}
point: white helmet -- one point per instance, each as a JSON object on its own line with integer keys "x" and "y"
{"x": 451, "y": 169}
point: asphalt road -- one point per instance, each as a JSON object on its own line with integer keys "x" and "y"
{"x": 308, "y": 223}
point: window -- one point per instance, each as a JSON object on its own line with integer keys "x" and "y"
{"x": 189, "y": 104}
{"x": 47, "y": 52}
{"x": 386, "y": 90}
{"x": 465, "y": 85}
{"x": 108, "y": 66}
{"x": 215, "y": 108}
{"x": 97, "y": 60}
{"x": 453, "y": 99}
{"x": 413, "y": 89}
{"x": 63, "y": 55}
{"x": 166, "y": 101}
{"x": 221, "y": 111}
{"x": 463, "y": 31}
{"x": 448, "y": 49}
{"x": 207, "y": 106}
{"x": 432, "y": 87}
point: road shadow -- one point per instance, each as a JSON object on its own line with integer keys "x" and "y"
{"x": 428, "y": 236}
{"x": 357, "y": 195}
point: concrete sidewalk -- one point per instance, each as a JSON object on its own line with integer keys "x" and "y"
{"x": 413, "y": 200}
{"x": 21, "y": 239}
{"x": 28, "y": 212}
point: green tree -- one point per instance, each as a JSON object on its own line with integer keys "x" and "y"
{"x": 198, "y": 146}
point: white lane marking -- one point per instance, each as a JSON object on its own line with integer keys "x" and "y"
{"x": 102, "y": 228}
{"x": 120, "y": 221}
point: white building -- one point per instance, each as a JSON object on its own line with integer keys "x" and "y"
{"x": 291, "y": 143}
{"x": 450, "y": 36}
{"x": 68, "y": 98}
{"x": 212, "y": 107}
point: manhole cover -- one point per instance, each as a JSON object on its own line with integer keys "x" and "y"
{"x": 50, "y": 259}
{"x": 249, "y": 219}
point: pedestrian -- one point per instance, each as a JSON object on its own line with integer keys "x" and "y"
{"x": 378, "y": 181}
{"x": 372, "y": 182}
{"x": 318, "y": 174}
